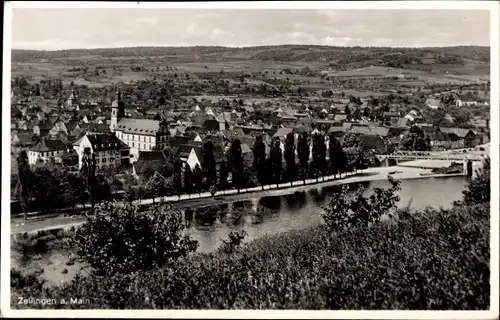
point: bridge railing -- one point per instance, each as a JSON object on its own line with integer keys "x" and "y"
{"x": 398, "y": 155}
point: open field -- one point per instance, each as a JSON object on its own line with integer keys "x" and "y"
{"x": 271, "y": 65}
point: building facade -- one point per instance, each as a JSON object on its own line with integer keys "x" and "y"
{"x": 109, "y": 151}
{"x": 140, "y": 135}
{"x": 46, "y": 150}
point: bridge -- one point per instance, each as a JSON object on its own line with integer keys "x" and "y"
{"x": 416, "y": 155}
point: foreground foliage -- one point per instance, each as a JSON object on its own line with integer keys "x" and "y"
{"x": 429, "y": 260}
{"x": 124, "y": 239}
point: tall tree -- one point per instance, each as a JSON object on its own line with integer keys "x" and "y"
{"x": 88, "y": 171}
{"x": 156, "y": 185}
{"x": 303, "y": 151}
{"x": 198, "y": 178}
{"x": 177, "y": 176}
{"x": 354, "y": 149}
{"x": 276, "y": 160}
{"x": 319, "y": 155}
{"x": 413, "y": 141}
{"x": 188, "y": 180}
{"x": 75, "y": 192}
{"x": 209, "y": 164}
{"x": 236, "y": 164}
{"x": 223, "y": 176}
{"x": 338, "y": 159}
{"x": 291, "y": 164}
{"x": 25, "y": 178}
{"x": 259, "y": 160}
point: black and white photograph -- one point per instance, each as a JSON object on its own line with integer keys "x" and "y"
{"x": 271, "y": 158}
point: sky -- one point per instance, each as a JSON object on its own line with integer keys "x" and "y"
{"x": 56, "y": 29}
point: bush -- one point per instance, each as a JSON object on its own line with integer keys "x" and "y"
{"x": 27, "y": 285}
{"x": 344, "y": 211}
{"x": 124, "y": 239}
{"x": 234, "y": 241}
{"x": 433, "y": 259}
{"x": 478, "y": 189}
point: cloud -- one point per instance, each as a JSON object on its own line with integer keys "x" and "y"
{"x": 90, "y": 28}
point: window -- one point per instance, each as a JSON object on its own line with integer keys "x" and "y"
{"x": 133, "y": 144}
{"x": 104, "y": 160}
{"x": 149, "y": 139}
{"x": 96, "y": 160}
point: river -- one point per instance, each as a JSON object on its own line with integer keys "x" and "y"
{"x": 210, "y": 225}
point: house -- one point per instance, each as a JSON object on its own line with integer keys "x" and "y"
{"x": 46, "y": 150}
{"x": 371, "y": 131}
{"x": 466, "y": 100}
{"x": 405, "y": 121}
{"x": 391, "y": 117}
{"x": 106, "y": 147}
{"x": 433, "y": 103}
{"x": 69, "y": 158}
{"x": 469, "y": 136}
{"x": 188, "y": 154}
{"x": 23, "y": 139}
{"x": 151, "y": 160}
{"x": 42, "y": 129}
{"x": 282, "y": 133}
{"x": 439, "y": 141}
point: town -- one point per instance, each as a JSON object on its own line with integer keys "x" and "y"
{"x": 279, "y": 177}
{"x": 191, "y": 132}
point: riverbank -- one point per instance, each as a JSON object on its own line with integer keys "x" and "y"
{"x": 18, "y": 226}
{"x": 410, "y": 264}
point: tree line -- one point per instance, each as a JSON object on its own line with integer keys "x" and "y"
{"x": 44, "y": 187}
{"x": 304, "y": 158}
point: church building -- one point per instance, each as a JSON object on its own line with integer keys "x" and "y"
{"x": 140, "y": 135}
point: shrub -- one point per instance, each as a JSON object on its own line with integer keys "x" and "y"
{"x": 124, "y": 239}
{"x": 27, "y": 285}
{"x": 433, "y": 259}
{"x": 234, "y": 241}
{"x": 344, "y": 210}
{"x": 478, "y": 189}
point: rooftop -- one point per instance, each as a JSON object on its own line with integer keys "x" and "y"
{"x": 145, "y": 127}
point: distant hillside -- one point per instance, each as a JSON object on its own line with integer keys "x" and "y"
{"x": 340, "y": 56}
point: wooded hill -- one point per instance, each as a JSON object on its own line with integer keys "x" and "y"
{"x": 339, "y": 56}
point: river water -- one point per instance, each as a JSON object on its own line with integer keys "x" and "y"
{"x": 298, "y": 210}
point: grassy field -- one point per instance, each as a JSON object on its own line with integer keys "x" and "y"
{"x": 118, "y": 70}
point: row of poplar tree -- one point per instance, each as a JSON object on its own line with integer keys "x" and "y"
{"x": 307, "y": 158}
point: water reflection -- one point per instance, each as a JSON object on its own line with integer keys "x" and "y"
{"x": 274, "y": 214}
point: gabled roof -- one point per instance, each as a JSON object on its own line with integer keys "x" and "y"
{"x": 402, "y": 122}
{"x": 376, "y": 131}
{"x": 457, "y": 131}
{"x": 245, "y": 148}
{"x": 49, "y": 145}
{"x": 145, "y": 127}
{"x": 433, "y": 102}
{"x": 150, "y": 160}
{"x": 282, "y": 132}
{"x": 24, "y": 137}
{"x": 336, "y": 129}
{"x": 103, "y": 141}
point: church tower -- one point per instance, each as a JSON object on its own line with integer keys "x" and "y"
{"x": 117, "y": 111}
